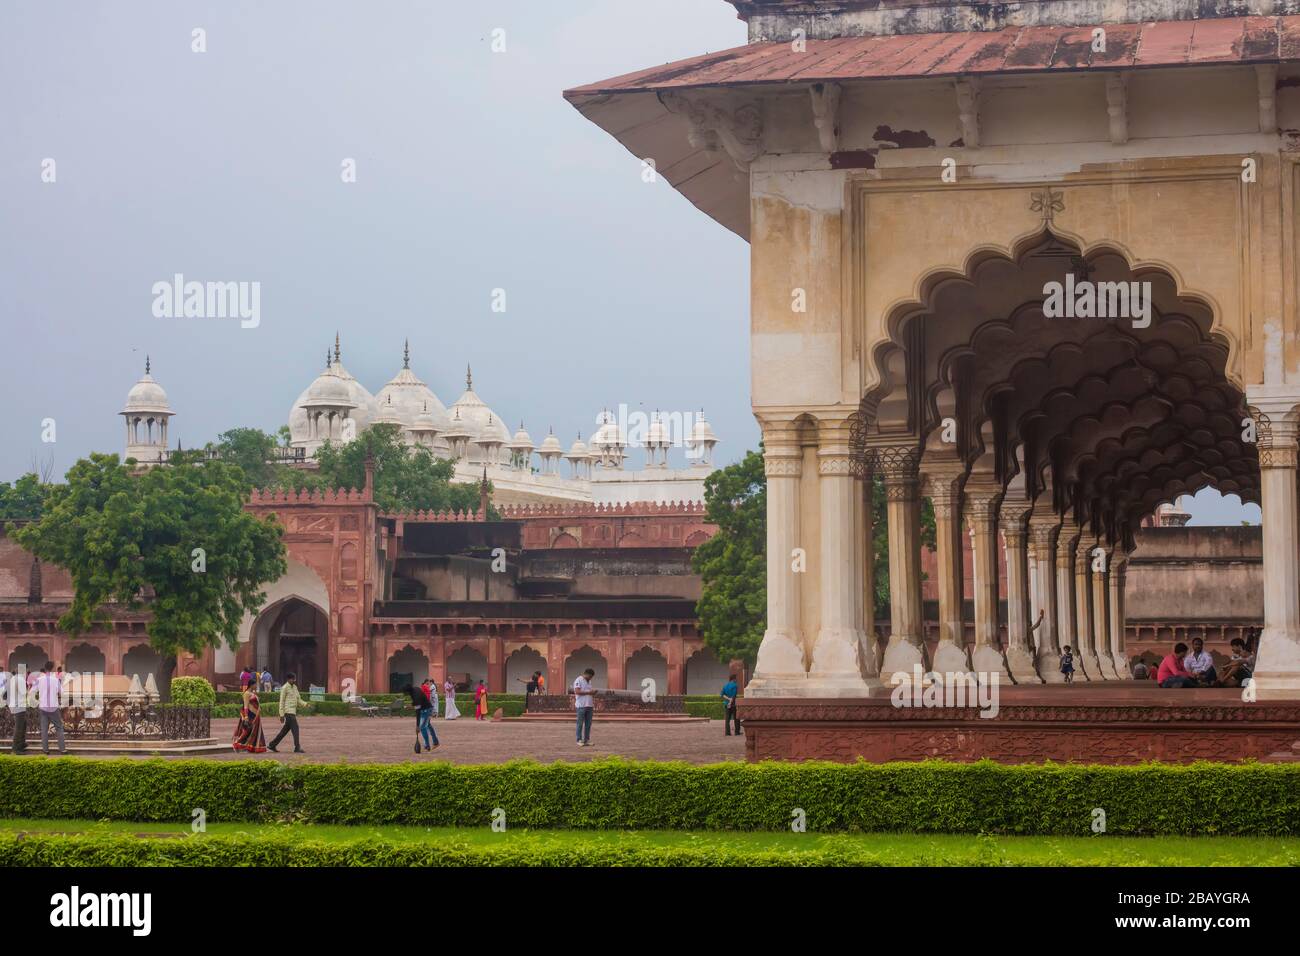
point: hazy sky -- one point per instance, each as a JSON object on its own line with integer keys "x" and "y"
{"x": 473, "y": 174}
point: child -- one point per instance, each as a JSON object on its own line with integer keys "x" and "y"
{"x": 1067, "y": 664}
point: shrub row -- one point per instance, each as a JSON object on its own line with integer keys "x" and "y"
{"x": 931, "y": 797}
{"x": 131, "y": 851}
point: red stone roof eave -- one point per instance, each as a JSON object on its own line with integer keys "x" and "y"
{"x": 1015, "y": 50}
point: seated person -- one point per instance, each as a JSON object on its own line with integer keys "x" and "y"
{"x": 1172, "y": 672}
{"x": 1240, "y": 667}
{"x": 1140, "y": 670}
{"x": 1200, "y": 665}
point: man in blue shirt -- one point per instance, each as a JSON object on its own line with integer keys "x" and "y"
{"x": 729, "y": 691}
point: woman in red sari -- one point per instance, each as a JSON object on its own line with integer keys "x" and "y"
{"x": 248, "y": 732}
{"x": 480, "y": 702}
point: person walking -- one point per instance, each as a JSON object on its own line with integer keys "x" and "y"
{"x": 451, "y": 711}
{"x": 730, "y": 690}
{"x": 423, "y": 723}
{"x": 48, "y": 690}
{"x": 248, "y": 732}
{"x": 289, "y": 701}
{"x": 584, "y": 704}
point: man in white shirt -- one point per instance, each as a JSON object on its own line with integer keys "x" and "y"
{"x": 48, "y": 691}
{"x": 585, "y": 704}
{"x": 1200, "y": 664}
{"x": 6, "y": 698}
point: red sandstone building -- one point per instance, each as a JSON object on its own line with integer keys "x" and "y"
{"x": 371, "y": 600}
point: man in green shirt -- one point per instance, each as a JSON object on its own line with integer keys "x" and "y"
{"x": 289, "y": 700}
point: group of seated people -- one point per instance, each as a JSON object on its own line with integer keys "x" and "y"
{"x": 1195, "y": 668}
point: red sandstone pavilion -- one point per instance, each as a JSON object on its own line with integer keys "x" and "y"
{"x": 912, "y": 177}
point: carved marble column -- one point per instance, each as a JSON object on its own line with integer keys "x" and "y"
{"x": 898, "y": 466}
{"x": 982, "y": 515}
{"x": 781, "y": 668}
{"x": 866, "y": 589}
{"x": 945, "y": 495}
{"x": 1118, "y": 652}
{"x": 1014, "y": 523}
{"x": 1086, "y": 658}
{"x": 1101, "y": 611}
{"x": 838, "y": 668}
{"x": 1066, "y": 621}
{"x": 1043, "y": 528}
{"x": 1277, "y": 668}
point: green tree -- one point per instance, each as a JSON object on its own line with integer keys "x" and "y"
{"x": 406, "y": 478}
{"x": 25, "y": 498}
{"x": 251, "y": 450}
{"x": 176, "y": 533}
{"x": 733, "y": 606}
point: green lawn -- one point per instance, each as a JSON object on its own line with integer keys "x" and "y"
{"x": 875, "y": 848}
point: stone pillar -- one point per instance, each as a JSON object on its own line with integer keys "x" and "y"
{"x": 781, "y": 668}
{"x": 982, "y": 514}
{"x": 838, "y": 667}
{"x": 906, "y": 647}
{"x": 1277, "y": 668}
{"x": 945, "y": 494}
{"x": 1118, "y": 653}
{"x": 1043, "y": 529}
{"x": 866, "y": 589}
{"x": 1101, "y": 615}
{"x": 1086, "y": 658}
{"x": 1020, "y": 648}
{"x": 1066, "y": 622}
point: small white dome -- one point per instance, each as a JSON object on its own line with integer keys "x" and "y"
{"x": 577, "y": 450}
{"x": 456, "y": 427}
{"x": 656, "y": 434}
{"x": 551, "y": 445}
{"x": 387, "y": 414}
{"x": 146, "y": 397}
{"x": 522, "y": 439}
{"x": 703, "y": 431}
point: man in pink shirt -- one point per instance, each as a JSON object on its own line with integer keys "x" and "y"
{"x": 1172, "y": 672}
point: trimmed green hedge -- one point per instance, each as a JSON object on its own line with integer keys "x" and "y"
{"x": 132, "y": 851}
{"x": 931, "y": 797}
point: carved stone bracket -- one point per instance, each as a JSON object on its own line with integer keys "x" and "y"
{"x": 718, "y": 126}
{"x": 826, "y": 114}
{"x": 968, "y": 111}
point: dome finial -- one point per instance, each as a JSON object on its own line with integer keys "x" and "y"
{"x": 406, "y": 355}
{"x": 336, "y": 348}
{"x": 469, "y": 378}
{"x": 146, "y": 364}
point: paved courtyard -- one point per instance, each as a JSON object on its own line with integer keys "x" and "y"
{"x": 391, "y": 740}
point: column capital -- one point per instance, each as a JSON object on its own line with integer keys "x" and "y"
{"x": 1277, "y": 427}
{"x": 1013, "y": 515}
{"x": 982, "y": 501}
{"x": 834, "y": 462}
{"x": 944, "y": 490}
{"x": 781, "y": 465}
{"x": 897, "y": 464}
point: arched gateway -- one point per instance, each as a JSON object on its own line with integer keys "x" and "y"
{"x": 1036, "y": 263}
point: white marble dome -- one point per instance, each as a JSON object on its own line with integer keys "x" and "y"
{"x": 476, "y": 418}
{"x": 410, "y": 397}
{"x": 364, "y": 406}
{"x": 147, "y": 397}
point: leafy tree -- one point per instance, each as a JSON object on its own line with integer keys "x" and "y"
{"x": 124, "y": 535}
{"x": 406, "y": 478}
{"x": 733, "y": 606}
{"x": 25, "y": 498}
{"x": 251, "y": 450}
